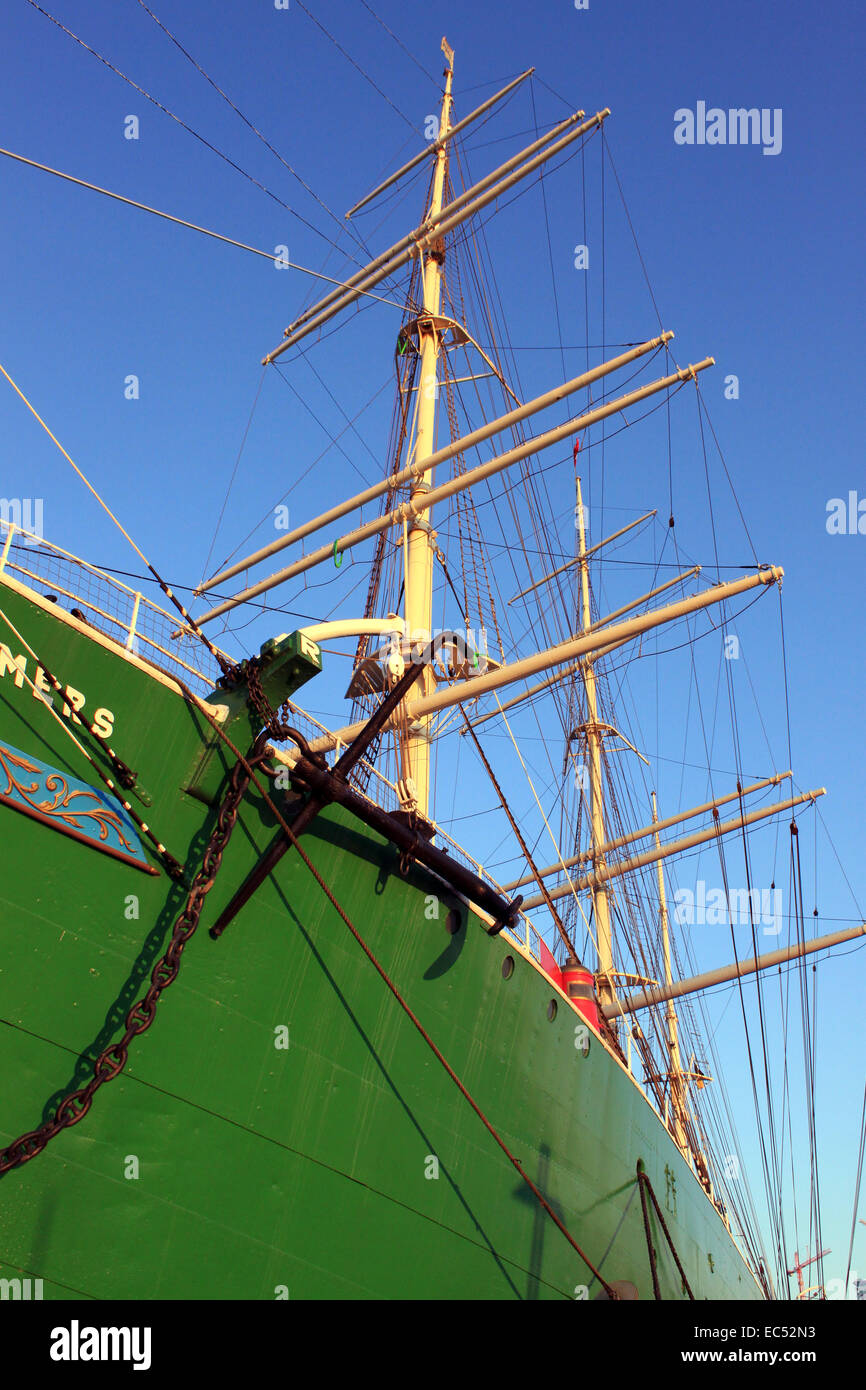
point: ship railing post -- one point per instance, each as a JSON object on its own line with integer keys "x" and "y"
{"x": 130, "y": 641}
{"x": 7, "y": 544}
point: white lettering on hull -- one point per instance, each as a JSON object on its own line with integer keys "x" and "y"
{"x": 71, "y": 705}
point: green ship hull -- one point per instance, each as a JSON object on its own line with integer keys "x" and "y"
{"x": 282, "y": 1129}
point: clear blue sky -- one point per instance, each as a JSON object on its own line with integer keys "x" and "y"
{"x": 754, "y": 259}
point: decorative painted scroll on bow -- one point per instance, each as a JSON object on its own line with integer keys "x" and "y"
{"x": 74, "y": 808}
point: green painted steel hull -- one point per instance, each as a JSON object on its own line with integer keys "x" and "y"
{"x": 307, "y": 1170}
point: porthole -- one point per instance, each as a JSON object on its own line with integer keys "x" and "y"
{"x": 551, "y": 1010}
{"x": 508, "y": 967}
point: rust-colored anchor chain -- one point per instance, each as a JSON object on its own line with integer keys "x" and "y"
{"x": 275, "y": 721}
{"x": 112, "y": 1060}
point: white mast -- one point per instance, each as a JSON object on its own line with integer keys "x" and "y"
{"x": 593, "y": 735}
{"x": 419, "y": 549}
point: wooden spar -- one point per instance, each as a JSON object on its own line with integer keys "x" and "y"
{"x": 440, "y": 228}
{"x": 413, "y": 237}
{"x": 407, "y": 511}
{"x": 652, "y": 856}
{"x": 593, "y": 641}
{"x": 565, "y": 652}
{"x": 449, "y": 451}
{"x": 644, "y": 598}
{"x": 569, "y": 564}
{"x": 646, "y": 830}
{"x": 570, "y": 670}
{"x": 527, "y": 694}
{"x": 551, "y": 680}
{"x": 436, "y": 145}
{"x": 658, "y": 994}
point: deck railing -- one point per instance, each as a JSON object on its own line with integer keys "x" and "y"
{"x": 104, "y": 601}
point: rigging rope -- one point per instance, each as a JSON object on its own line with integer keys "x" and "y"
{"x": 357, "y": 67}
{"x": 201, "y": 138}
{"x": 300, "y": 476}
{"x": 193, "y": 226}
{"x": 572, "y": 954}
{"x": 550, "y": 250}
{"x": 606, "y": 144}
{"x": 727, "y": 473}
{"x": 341, "y": 223}
{"x": 857, "y": 1187}
{"x": 773, "y": 1207}
{"x": 402, "y": 45}
{"x": 302, "y": 399}
{"x": 748, "y": 1217}
{"x": 222, "y": 661}
{"x": 644, "y": 1182}
{"x": 231, "y": 481}
{"x": 125, "y": 776}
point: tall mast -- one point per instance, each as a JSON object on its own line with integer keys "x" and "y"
{"x": 593, "y": 735}
{"x": 675, "y": 1071}
{"x": 421, "y": 539}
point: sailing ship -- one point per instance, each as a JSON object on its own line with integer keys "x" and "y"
{"x": 377, "y": 1071}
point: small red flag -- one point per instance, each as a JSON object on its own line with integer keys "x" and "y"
{"x": 576, "y": 449}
